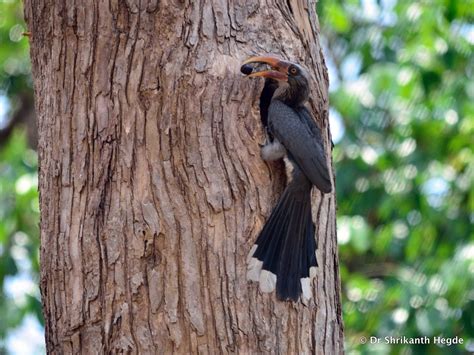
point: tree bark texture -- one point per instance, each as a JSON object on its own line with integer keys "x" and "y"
{"x": 152, "y": 189}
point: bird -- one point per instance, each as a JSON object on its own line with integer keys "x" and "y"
{"x": 284, "y": 254}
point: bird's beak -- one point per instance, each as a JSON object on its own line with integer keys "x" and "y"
{"x": 279, "y": 67}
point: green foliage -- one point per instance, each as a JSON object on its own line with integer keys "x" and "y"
{"x": 14, "y": 58}
{"x": 19, "y": 242}
{"x": 19, "y": 215}
{"x": 405, "y": 168}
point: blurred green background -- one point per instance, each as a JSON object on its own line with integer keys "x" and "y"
{"x": 20, "y": 308}
{"x": 402, "y": 117}
{"x": 402, "y": 98}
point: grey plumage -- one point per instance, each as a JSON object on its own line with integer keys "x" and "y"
{"x": 301, "y": 137}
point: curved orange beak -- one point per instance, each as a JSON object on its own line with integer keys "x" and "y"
{"x": 279, "y": 67}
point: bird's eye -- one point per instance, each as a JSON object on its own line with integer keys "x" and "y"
{"x": 293, "y": 71}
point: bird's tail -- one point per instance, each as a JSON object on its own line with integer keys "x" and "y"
{"x": 285, "y": 250}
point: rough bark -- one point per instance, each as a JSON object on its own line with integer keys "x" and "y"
{"x": 152, "y": 189}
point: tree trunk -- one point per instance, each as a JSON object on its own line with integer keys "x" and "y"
{"x": 152, "y": 188}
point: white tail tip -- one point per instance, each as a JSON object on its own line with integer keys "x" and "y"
{"x": 253, "y": 269}
{"x": 267, "y": 281}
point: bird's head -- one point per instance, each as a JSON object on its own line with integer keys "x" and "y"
{"x": 296, "y": 77}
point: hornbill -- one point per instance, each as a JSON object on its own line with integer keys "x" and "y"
{"x": 284, "y": 255}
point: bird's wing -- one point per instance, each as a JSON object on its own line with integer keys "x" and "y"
{"x": 300, "y": 135}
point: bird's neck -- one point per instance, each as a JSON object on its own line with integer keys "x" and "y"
{"x": 293, "y": 95}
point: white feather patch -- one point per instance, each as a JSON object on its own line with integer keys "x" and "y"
{"x": 267, "y": 281}
{"x": 312, "y": 272}
{"x": 288, "y": 169}
{"x": 253, "y": 269}
{"x": 273, "y": 151}
{"x": 306, "y": 288}
{"x": 251, "y": 252}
